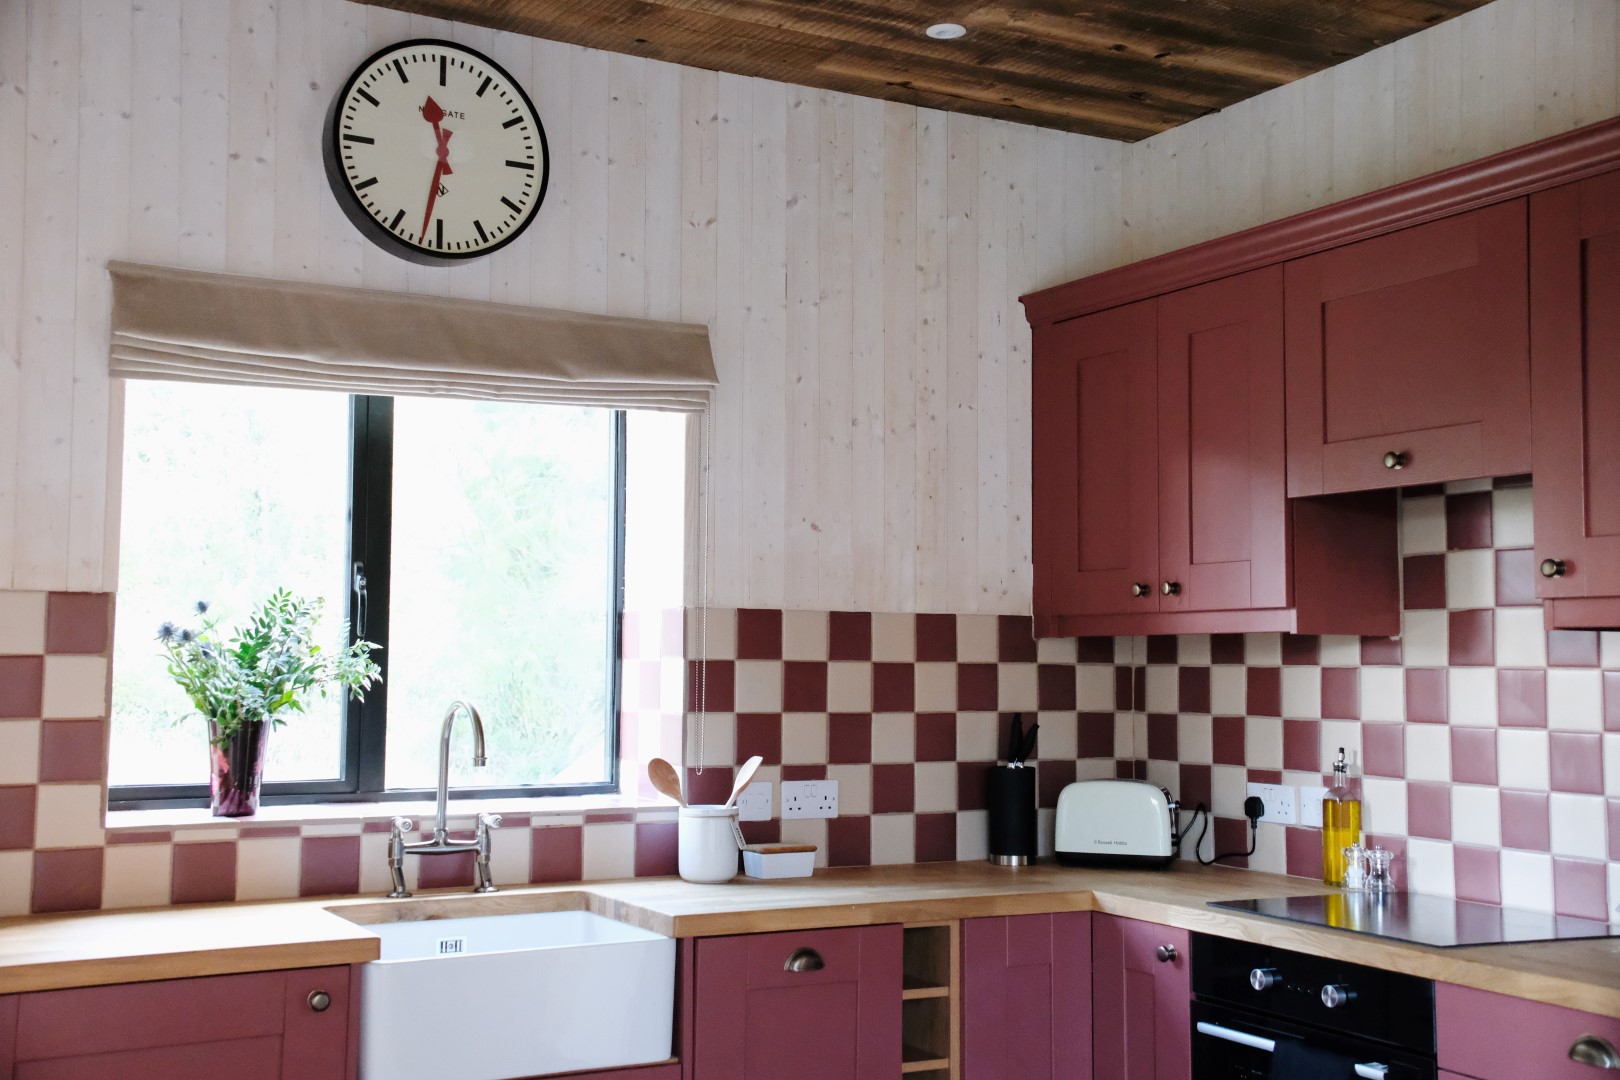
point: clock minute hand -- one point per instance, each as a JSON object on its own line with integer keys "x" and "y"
{"x": 432, "y": 113}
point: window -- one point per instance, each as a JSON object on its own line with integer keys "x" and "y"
{"x": 490, "y": 539}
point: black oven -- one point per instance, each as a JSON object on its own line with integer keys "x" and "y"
{"x": 1247, "y": 997}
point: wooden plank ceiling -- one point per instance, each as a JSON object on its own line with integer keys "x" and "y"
{"x": 1119, "y": 69}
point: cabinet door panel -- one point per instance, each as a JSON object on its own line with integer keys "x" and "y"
{"x": 1497, "y": 1037}
{"x": 8, "y": 1034}
{"x": 135, "y": 1016}
{"x": 1575, "y": 356}
{"x": 1416, "y": 343}
{"x": 317, "y": 1043}
{"x": 1141, "y": 1012}
{"x": 1223, "y": 508}
{"x": 1095, "y": 499}
{"x": 1026, "y": 997}
{"x": 238, "y": 1059}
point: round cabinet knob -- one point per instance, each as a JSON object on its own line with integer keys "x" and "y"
{"x": 1140, "y": 589}
{"x": 1553, "y": 568}
{"x": 320, "y": 1000}
{"x": 1394, "y": 460}
{"x": 1166, "y": 953}
{"x": 1596, "y": 1052}
{"x": 804, "y": 960}
{"x": 1264, "y": 978}
{"x": 1172, "y": 588}
{"x": 1337, "y": 995}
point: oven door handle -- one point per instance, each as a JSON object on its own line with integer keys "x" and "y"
{"x": 1369, "y": 1071}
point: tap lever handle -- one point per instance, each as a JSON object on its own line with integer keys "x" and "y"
{"x": 403, "y": 825}
{"x": 489, "y": 821}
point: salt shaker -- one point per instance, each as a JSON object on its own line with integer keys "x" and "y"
{"x": 1355, "y": 868}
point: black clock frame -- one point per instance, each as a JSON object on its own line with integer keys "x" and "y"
{"x": 376, "y": 231}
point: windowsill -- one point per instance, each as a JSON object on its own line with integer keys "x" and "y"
{"x": 462, "y": 812}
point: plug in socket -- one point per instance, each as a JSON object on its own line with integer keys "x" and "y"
{"x": 755, "y": 801}
{"x": 1310, "y": 806}
{"x": 809, "y": 799}
{"x": 1281, "y": 802}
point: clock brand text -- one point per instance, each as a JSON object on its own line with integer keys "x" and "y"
{"x": 449, "y": 114}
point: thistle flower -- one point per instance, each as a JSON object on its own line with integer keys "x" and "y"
{"x": 202, "y": 607}
{"x": 187, "y": 637}
{"x": 167, "y": 633}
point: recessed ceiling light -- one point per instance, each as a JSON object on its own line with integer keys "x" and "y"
{"x": 947, "y": 31}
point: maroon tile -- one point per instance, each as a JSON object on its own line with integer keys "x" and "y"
{"x": 1231, "y": 745}
{"x": 1055, "y": 689}
{"x": 709, "y": 788}
{"x": 594, "y": 817}
{"x": 936, "y": 640}
{"x": 73, "y": 750}
{"x": 446, "y": 872}
{"x": 1197, "y": 785}
{"x": 1525, "y": 822}
{"x": 1581, "y": 889}
{"x": 205, "y": 872}
{"x": 1095, "y": 650}
{"x": 655, "y": 848}
{"x": 1611, "y": 701}
{"x": 804, "y": 686}
{"x": 849, "y": 738}
{"x": 1162, "y": 649}
{"x": 78, "y": 623}
{"x": 17, "y": 817}
{"x": 22, "y": 685}
{"x": 1124, "y": 688}
{"x": 1265, "y": 691}
{"x": 1265, "y": 776}
{"x": 1479, "y": 873}
{"x": 713, "y": 684}
{"x": 1162, "y": 743}
{"x": 1468, "y": 521}
{"x": 1226, "y": 649}
{"x": 1516, "y": 576}
{"x": 1096, "y": 735}
{"x": 1381, "y": 651}
{"x": 894, "y": 687}
{"x": 1577, "y": 762}
{"x": 1341, "y": 693}
{"x": 67, "y": 880}
{"x": 1302, "y": 749}
{"x": 1304, "y": 847}
{"x": 1472, "y": 638}
{"x": 1016, "y": 639}
{"x": 1301, "y": 649}
{"x": 1232, "y": 834}
{"x": 1130, "y": 770}
{"x": 849, "y": 841}
{"x": 972, "y": 784}
{"x": 804, "y": 772}
{"x": 1428, "y": 810}
{"x": 1473, "y": 755}
{"x": 1052, "y": 778}
{"x": 1139, "y": 686}
{"x": 894, "y": 789}
{"x": 761, "y": 832}
{"x": 1572, "y": 648}
{"x": 1194, "y": 689}
{"x": 936, "y": 838}
{"x": 759, "y": 634}
{"x": 849, "y": 635}
{"x": 977, "y": 687}
{"x": 1383, "y": 749}
{"x": 761, "y": 734}
{"x": 151, "y": 836}
{"x": 1426, "y": 695}
{"x": 936, "y": 736}
{"x": 1521, "y": 698}
{"x": 329, "y": 866}
{"x": 1423, "y": 582}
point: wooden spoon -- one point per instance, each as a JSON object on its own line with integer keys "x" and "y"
{"x": 665, "y": 779}
{"x": 745, "y": 776}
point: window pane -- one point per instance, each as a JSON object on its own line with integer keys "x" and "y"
{"x": 229, "y": 493}
{"x": 501, "y": 578}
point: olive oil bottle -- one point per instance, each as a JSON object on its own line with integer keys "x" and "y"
{"x": 1341, "y": 821}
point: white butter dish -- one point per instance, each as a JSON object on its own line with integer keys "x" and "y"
{"x": 779, "y": 860}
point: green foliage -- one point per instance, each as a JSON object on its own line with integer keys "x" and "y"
{"x": 266, "y": 668}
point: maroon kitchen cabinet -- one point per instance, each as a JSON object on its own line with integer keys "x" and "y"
{"x": 1575, "y": 359}
{"x": 1489, "y": 1036}
{"x": 1142, "y": 995}
{"x": 274, "y": 1025}
{"x": 1408, "y": 356}
{"x": 1026, "y": 997}
{"x": 817, "y": 1005}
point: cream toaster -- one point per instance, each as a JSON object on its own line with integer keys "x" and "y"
{"x": 1124, "y": 823}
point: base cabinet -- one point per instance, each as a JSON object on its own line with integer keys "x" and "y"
{"x": 1486, "y": 1036}
{"x": 818, "y": 1005}
{"x": 273, "y": 1025}
{"x": 1142, "y": 1000}
{"x": 1026, "y": 997}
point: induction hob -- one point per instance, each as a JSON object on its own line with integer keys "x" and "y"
{"x": 1422, "y": 920}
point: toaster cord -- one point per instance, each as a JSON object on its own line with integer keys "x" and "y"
{"x": 1253, "y": 808}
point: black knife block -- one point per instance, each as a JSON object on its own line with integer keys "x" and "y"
{"x": 1011, "y": 801}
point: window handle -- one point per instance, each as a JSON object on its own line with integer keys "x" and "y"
{"x": 358, "y": 584}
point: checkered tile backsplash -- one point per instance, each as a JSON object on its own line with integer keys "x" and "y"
{"x": 1489, "y": 749}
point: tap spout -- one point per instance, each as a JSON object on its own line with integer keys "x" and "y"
{"x": 440, "y": 821}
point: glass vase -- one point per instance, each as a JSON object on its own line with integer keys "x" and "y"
{"x": 237, "y": 768}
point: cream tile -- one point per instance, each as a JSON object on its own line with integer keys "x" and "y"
{"x": 1611, "y": 766}
{"x": 804, "y": 635}
{"x": 1262, "y": 650}
{"x": 267, "y": 869}
{"x": 936, "y": 687}
{"x": 1423, "y": 525}
{"x": 1470, "y": 579}
{"x": 1522, "y": 760}
{"x": 509, "y": 856}
{"x": 1228, "y": 786}
{"x": 1429, "y": 868}
{"x": 711, "y": 740}
{"x": 894, "y": 637}
{"x": 1094, "y": 769}
{"x": 1574, "y": 699}
{"x": 16, "y": 882}
{"x": 1302, "y": 692}
{"x": 1579, "y": 825}
{"x": 849, "y": 686}
{"x": 69, "y": 816}
{"x": 1521, "y": 638}
{"x": 721, "y": 625}
{"x": 22, "y": 626}
{"x": 977, "y": 737}
{"x": 1609, "y": 644}
{"x": 1165, "y": 774}
{"x": 1045, "y": 833}
{"x": 894, "y": 839}
{"x": 1428, "y": 752}
{"x": 329, "y": 828}
{"x": 1192, "y": 650}
{"x": 936, "y": 786}
{"x": 1263, "y": 743}
{"x": 19, "y": 751}
{"x": 1334, "y": 734}
{"x": 610, "y": 851}
{"x": 1471, "y": 696}
{"x": 759, "y": 686}
{"x": 1339, "y": 650}
{"x": 894, "y": 737}
{"x": 854, "y": 789}
{"x": 1094, "y": 688}
{"x": 1271, "y": 850}
{"x": 1195, "y": 739}
{"x": 1512, "y": 518}
{"x": 1163, "y": 688}
{"x": 75, "y": 686}
{"x": 1476, "y": 815}
{"x": 1228, "y": 690}
{"x": 807, "y": 831}
{"x": 977, "y": 639}
{"x": 1614, "y": 890}
{"x": 1527, "y": 880}
{"x": 374, "y": 863}
{"x": 1383, "y": 694}
{"x": 972, "y": 835}
{"x": 1059, "y": 737}
{"x": 1383, "y": 806}
{"x": 136, "y": 875}
{"x": 672, "y": 685}
{"x": 1057, "y": 651}
{"x": 804, "y": 739}
{"x": 1425, "y": 639}
{"x": 1017, "y": 687}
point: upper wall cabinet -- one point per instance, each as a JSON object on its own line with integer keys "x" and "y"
{"x": 1408, "y": 356}
{"x": 1575, "y": 351}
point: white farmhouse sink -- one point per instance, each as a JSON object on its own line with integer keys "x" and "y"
{"x": 504, "y": 996}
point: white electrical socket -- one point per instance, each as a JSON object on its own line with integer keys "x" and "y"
{"x": 1281, "y": 802}
{"x": 1310, "y": 806}
{"x": 809, "y": 799}
{"x": 755, "y": 801}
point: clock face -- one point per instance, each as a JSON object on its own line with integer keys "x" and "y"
{"x": 435, "y": 152}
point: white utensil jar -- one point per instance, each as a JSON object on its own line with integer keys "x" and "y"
{"x": 708, "y": 843}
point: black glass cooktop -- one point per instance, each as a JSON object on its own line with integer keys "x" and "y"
{"x": 1423, "y": 920}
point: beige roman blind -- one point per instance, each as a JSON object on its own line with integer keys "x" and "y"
{"x": 191, "y": 326}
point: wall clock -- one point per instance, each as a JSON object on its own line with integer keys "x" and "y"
{"x": 435, "y": 152}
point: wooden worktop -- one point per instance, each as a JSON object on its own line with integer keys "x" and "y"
{"x": 163, "y": 943}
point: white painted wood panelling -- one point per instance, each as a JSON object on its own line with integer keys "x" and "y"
{"x": 858, "y": 262}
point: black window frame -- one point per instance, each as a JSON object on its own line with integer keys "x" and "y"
{"x": 363, "y": 770}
